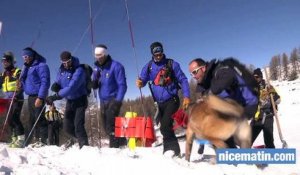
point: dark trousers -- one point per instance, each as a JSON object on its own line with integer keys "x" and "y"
{"x": 14, "y": 118}
{"x": 53, "y": 132}
{"x": 266, "y": 127}
{"x": 109, "y": 111}
{"x": 41, "y": 128}
{"x": 166, "y": 110}
{"x": 74, "y": 119}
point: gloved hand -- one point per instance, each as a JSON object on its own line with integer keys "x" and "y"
{"x": 18, "y": 85}
{"x": 38, "y": 102}
{"x": 186, "y": 102}
{"x": 139, "y": 83}
{"x": 115, "y": 106}
{"x": 52, "y": 98}
{"x": 55, "y": 87}
{"x": 270, "y": 89}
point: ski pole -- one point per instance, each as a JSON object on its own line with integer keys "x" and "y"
{"x": 134, "y": 52}
{"x": 98, "y": 121}
{"x": 284, "y": 144}
{"x": 35, "y": 123}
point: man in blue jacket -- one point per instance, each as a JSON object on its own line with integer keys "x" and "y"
{"x": 165, "y": 82}
{"x": 35, "y": 80}
{"x": 71, "y": 84}
{"x": 109, "y": 77}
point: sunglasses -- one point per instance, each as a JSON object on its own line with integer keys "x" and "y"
{"x": 66, "y": 62}
{"x": 195, "y": 71}
{"x": 26, "y": 57}
{"x": 256, "y": 76}
{"x": 158, "y": 54}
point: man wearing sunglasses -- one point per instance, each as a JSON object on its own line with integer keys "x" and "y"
{"x": 225, "y": 78}
{"x": 264, "y": 117}
{"x": 35, "y": 80}
{"x": 70, "y": 84}
{"x": 164, "y": 87}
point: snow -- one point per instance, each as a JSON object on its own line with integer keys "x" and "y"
{"x": 54, "y": 160}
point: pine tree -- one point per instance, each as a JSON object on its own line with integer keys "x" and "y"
{"x": 285, "y": 62}
{"x": 274, "y": 67}
{"x": 294, "y": 59}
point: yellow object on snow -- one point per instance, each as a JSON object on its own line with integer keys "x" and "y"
{"x": 131, "y": 141}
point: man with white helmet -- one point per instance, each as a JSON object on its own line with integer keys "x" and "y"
{"x": 110, "y": 79}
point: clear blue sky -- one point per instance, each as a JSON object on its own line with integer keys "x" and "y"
{"x": 250, "y": 30}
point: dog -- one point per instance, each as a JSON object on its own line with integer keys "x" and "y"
{"x": 216, "y": 120}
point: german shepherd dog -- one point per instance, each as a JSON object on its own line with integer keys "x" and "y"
{"x": 216, "y": 120}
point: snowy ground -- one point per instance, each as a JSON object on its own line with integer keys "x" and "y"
{"x": 92, "y": 160}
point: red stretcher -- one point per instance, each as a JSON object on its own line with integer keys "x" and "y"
{"x": 4, "y": 104}
{"x": 137, "y": 127}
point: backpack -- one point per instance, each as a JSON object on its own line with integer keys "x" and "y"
{"x": 166, "y": 75}
{"x": 88, "y": 73}
{"x": 244, "y": 72}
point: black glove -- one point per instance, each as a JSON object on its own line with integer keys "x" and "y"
{"x": 115, "y": 106}
{"x": 55, "y": 87}
{"x": 51, "y": 99}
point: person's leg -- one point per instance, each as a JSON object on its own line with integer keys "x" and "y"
{"x": 256, "y": 127}
{"x": 31, "y": 110}
{"x": 80, "y": 104}
{"x": 167, "y": 109}
{"x": 56, "y": 133}
{"x": 50, "y": 133}
{"x": 18, "y": 126}
{"x": 112, "y": 112}
{"x": 268, "y": 132}
{"x": 42, "y": 124}
{"x": 80, "y": 131}
{"x": 68, "y": 121}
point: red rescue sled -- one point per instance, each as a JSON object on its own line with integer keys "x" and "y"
{"x": 137, "y": 127}
{"x": 4, "y": 104}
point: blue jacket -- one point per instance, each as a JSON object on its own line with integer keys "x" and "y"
{"x": 72, "y": 81}
{"x": 111, "y": 79}
{"x": 35, "y": 78}
{"x": 164, "y": 93}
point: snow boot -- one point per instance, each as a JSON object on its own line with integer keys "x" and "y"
{"x": 37, "y": 144}
{"x": 69, "y": 143}
{"x": 13, "y": 140}
{"x": 19, "y": 142}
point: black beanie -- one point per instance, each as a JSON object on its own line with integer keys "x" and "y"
{"x": 258, "y": 72}
{"x": 156, "y": 47}
{"x": 8, "y": 58}
{"x": 65, "y": 56}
